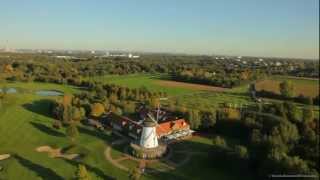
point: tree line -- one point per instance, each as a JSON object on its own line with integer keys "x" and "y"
{"x": 196, "y": 69}
{"x": 276, "y": 138}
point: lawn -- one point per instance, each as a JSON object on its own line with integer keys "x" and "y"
{"x": 141, "y": 80}
{"x": 23, "y": 128}
{"x": 117, "y": 150}
{"x": 129, "y": 163}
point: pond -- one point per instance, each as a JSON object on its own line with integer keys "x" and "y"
{"x": 49, "y": 93}
{"x": 12, "y": 90}
{"x": 9, "y": 90}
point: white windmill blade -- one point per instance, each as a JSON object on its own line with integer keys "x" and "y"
{"x": 157, "y": 124}
{"x": 152, "y": 118}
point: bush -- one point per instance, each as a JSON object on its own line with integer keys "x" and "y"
{"x": 57, "y": 124}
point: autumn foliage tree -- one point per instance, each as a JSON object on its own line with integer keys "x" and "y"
{"x": 8, "y": 68}
{"x": 286, "y": 89}
{"x": 82, "y": 173}
{"x": 72, "y": 131}
{"x": 97, "y": 109}
{"x": 135, "y": 174}
{"x": 193, "y": 116}
{"x": 208, "y": 118}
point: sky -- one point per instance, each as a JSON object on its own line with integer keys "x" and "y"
{"x": 277, "y": 28}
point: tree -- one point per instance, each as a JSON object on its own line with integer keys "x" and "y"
{"x": 256, "y": 137}
{"x": 283, "y": 136}
{"x": 309, "y": 101}
{"x": 82, "y": 173}
{"x": 82, "y": 112}
{"x": 208, "y": 119}
{"x": 129, "y": 107}
{"x": 72, "y": 131}
{"x": 123, "y": 93}
{"x": 58, "y": 111}
{"x": 194, "y": 118}
{"x": 118, "y": 111}
{"x": 113, "y": 98}
{"x": 8, "y": 68}
{"x": 171, "y": 106}
{"x": 181, "y": 109}
{"x": 241, "y": 152}
{"x": 57, "y": 124}
{"x": 291, "y": 111}
{"x": 67, "y": 99}
{"x": 154, "y": 102}
{"x": 219, "y": 141}
{"x": 67, "y": 114}
{"x": 77, "y": 115}
{"x": 286, "y": 89}
{"x": 97, "y": 109}
{"x": 307, "y": 114}
{"x": 135, "y": 174}
{"x": 280, "y": 162}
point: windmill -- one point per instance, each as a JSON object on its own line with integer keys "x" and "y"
{"x": 149, "y": 148}
{"x": 149, "y": 138}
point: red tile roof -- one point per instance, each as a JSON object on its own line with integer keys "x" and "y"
{"x": 169, "y": 126}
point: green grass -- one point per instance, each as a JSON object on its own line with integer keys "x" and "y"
{"x": 177, "y": 157}
{"x": 22, "y": 129}
{"x": 140, "y": 80}
{"x": 158, "y": 166}
{"x": 190, "y": 97}
{"x": 201, "y": 167}
{"x": 117, "y": 151}
{"x": 130, "y": 164}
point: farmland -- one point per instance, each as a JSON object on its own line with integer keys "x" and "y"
{"x": 306, "y": 87}
{"x": 203, "y": 96}
{"x": 193, "y": 95}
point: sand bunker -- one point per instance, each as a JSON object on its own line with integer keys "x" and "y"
{"x": 4, "y": 156}
{"x": 56, "y": 153}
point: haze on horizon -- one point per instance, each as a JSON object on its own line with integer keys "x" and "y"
{"x": 278, "y": 28}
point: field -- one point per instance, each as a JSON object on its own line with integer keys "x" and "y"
{"x": 200, "y": 87}
{"x": 306, "y": 87}
{"x": 202, "y": 96}
{"x": 192, "y": 95}
{"x": 142, "y": 80}
{"x": 25, "y": 124}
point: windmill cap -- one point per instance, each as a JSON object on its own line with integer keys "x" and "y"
{"x": 149, "y": 123}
